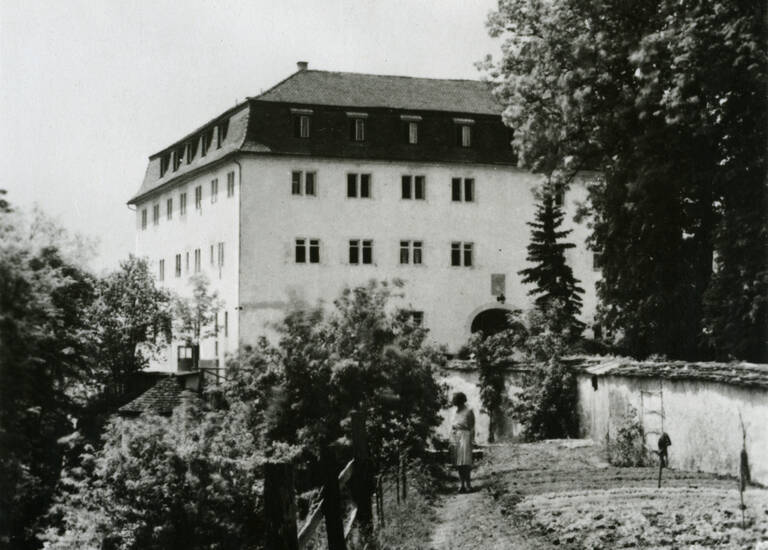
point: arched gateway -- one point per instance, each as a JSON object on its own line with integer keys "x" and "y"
{"x": 489, "y": 319}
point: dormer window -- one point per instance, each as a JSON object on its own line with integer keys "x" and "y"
{"x": 165, "y": 161}
{"x": 464, "y": 131}
{"x": 357, "y": 129}
{"x": 222, "y": 135}
{"x": 412, "y": 123}
{"x": 206, "y": 139}
{"x": 178, "y": 158}
{"x": 301, "y": 122}
{"x": 191, "y": 150}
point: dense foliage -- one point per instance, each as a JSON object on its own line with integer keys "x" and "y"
{"x": 551, "y": 276}
{"x": 666, "y": 99}
{"x": 194, "y": 480}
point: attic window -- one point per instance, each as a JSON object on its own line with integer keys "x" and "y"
{"x": 223, "y": 128}
{"x": 357, "y": 129}
{"x": 464, "y": 131}
{"x": 165, "y": 161}
{"x": 178, "y": 157}
{"x": 207, "y": 137}
{"x": 301, "y": 122}
{"x": 191, "y": 150}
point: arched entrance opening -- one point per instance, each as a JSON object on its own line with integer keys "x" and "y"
{"x": 490, "y": 321}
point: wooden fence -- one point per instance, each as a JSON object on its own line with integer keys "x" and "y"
{"x": 280, "y": 499}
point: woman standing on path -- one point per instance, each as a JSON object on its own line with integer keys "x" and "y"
{"x": 463, "y": 438}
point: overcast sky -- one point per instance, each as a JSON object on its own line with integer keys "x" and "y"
{"x": 89, "y": 89}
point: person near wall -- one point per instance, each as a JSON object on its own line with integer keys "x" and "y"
{"x": 463, "y": 432}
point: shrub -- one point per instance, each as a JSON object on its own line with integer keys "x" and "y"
{"x": 628, "y": 447}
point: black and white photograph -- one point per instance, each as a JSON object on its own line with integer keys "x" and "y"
{"x": 383, "y": 274}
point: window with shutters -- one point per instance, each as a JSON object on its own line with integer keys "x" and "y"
{"x": 461, "y": 254}
{"x": 359, "y": 186}
{"x": 230, "y": 184}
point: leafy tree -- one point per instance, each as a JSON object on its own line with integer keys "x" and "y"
{"x": 552, "y": 276}
{"x": 132, "y": 320}
{"x": 45, "y": 350}
{"x": 666, "y": 99}
{"x": 194, "y": 317}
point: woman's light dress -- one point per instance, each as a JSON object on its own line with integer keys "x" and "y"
{"x": 463, "y": 437}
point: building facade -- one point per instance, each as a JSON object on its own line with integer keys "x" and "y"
{"x": 331, "y": 179}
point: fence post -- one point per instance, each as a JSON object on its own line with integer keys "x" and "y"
{"x": 361, "y": 475}
{"x": 280, "y": 507}
{"x": 334, "y": 523}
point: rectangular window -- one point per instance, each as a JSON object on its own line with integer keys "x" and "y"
{"x": 355, "y": 255}
{"x": 230, "y": 184}
{"x": 406, "y": 185}
{"x": 199, "y": 197}
{"x": 309, "y": 183}
{"x": 178, "y": 265}
{"x": 416, "y": 317}
{"x": 413, "y": 133}
{"x": 365, "y": 186}
{"x": 467, "y": 254}
{"x": 156, "y": 214}
{"x": 456, "y": 254}
{"x": 165, "y": 161}
{"x": 456, "y": 189}
{"x": 303, "y": 183}
{"x": 206, "y": 141}
{"x": 354, "y": 251}
{"x": 419, "y": 188}
{"x": 301, "y": 251}
{"x": 301, "y": 126}
{"x": 161, "y": 270}
{"x": 417, "y": 252}
{"x": 352, "y": 185}
{"x": 405, "y": 252}
{"x": 296, "y": 183}
{"x": 357, "y": 129}
{"x": 212, "y": 261}
{"x": 469, "y": 190}
{"x": 367, "y": 252}
{"x": 169, "y": 209}
{"x": 314, "y": 251}
{"x": 221, "y": 255}
{"x": 364, "y": 189}
{"x": 144, "y": 218}
{"x": 463, "y": 135}
{"x": 226, "y": 323}
{"x": 186, "y": 263}
{"x": 182, "y": 204}
{"x": 463, "y": 189}
{"x": 191, "y": 150}
{"x": 198, "y": 260}
{"x": 214, "y": 190}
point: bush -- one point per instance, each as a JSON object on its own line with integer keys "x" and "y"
{"x": 628, "y": 447}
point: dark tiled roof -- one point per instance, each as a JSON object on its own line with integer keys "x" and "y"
{"x": 393, "y": 92}
{"x": 734, "y": 374}
{"x": 162, "y": 398}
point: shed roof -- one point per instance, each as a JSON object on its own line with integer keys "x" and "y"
{"x": 735, "y": 374}
{"x": 162, "y": 398}
{"x": 385, "y": 91}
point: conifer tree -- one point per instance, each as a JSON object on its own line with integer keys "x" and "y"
{"x": 552, "y": 276}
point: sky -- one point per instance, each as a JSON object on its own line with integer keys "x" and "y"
{"x": 89, "y": 89}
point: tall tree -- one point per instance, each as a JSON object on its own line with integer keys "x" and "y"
{"x": 666, "y": 99}
{"x": 552, "y": 276}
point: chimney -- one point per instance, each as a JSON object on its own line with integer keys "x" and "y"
{"x": 302, "y": 65}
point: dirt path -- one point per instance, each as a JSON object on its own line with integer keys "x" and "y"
{"x": 479, "y": 519}
{"x": 561, "y": 494}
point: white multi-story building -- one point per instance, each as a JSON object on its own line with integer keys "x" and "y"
{"x": 331, "y": 179}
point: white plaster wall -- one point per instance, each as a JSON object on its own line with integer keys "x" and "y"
{"x": 214, "y": 223}
{"x": 701, "y": 418}
{"x": 449, "y": 296}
